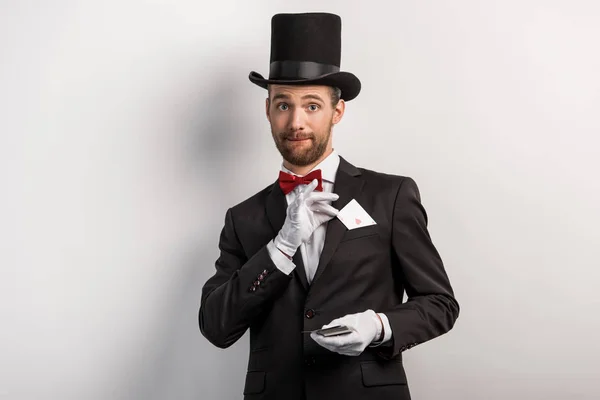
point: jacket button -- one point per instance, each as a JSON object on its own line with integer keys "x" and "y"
{"x": 252, "y": 288}
{"x": 256, "y": 283}
{"x": 261, "y": 277}
{"x": 309, "y": 313}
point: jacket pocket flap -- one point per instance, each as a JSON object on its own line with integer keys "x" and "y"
{"x": 360, "y": 232}
{"x": 378, "y": 374}
{"x": 255, "y": 382}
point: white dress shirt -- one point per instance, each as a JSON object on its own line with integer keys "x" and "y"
{"x": 312, "y": 248}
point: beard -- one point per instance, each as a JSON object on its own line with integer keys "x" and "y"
{"x": 305, "y": 153}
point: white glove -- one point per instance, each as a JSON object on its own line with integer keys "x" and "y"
{"x": 366, "y": 328}
{"x": 304, "y": 215}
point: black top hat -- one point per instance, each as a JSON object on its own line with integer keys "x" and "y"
{"x": 306, "y": 49}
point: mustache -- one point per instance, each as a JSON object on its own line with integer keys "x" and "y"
{"x": 295, "y": 136}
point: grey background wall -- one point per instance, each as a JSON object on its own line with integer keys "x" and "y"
{"x": 129, "y": 127}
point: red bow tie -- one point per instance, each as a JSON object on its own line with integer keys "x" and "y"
{"x": 288, "y": 182}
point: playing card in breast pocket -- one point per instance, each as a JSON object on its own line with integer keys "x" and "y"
{"x": 354, "y": 216}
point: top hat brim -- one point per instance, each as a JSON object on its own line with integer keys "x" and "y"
{"x": 347, "y": 82}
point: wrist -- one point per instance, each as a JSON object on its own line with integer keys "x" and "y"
{"x": 282, "y": 252}
{"x": 380, "y": 330}
{"x": 284, "y": 247}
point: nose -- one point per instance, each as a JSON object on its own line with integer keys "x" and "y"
{"x": 297, "y": 120}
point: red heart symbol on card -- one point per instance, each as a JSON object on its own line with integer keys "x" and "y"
{"x": 358, "y": 221}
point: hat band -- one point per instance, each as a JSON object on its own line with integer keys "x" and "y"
{"x": 300, "y": 69}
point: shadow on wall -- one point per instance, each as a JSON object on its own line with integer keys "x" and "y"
{"x": 183, "y": 364}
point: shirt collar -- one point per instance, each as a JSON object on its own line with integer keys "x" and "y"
{"x": 328, "y": 167}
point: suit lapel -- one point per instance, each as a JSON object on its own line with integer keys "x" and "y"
{"x": 276, "y": 208}
{"x": 348, "y": 186}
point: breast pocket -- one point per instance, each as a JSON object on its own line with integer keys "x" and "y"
{"x": 360, "y": 232}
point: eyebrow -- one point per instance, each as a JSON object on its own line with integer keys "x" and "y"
{"x": 305, "y": 97}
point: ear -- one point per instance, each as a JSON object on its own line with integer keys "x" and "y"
{"x": 338, "y": 111}
{"x": 267, "y": 105}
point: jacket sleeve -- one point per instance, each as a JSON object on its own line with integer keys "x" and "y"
{"x": 239, "y": 291}
{"x": 431, "y": 308}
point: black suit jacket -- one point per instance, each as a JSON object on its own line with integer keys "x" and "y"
{"x": 360, "y": 269}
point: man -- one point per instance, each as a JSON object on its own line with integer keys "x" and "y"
{"x": 327, "y": 244}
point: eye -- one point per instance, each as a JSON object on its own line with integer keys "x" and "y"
{"x": 282, "y": 107}
{"x": 313, "y": 107}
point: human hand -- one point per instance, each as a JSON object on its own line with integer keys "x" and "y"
{"x": 307, "y": 212}
{"x": 366, "y": 327}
